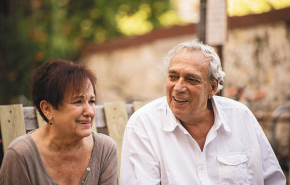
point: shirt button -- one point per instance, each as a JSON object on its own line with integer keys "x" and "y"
{"x": 88, "y": 168}
{"x": 83, "y": 182}
{"x": 201, "y": 168}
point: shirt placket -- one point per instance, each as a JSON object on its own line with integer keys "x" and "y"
{"x": 85, "y": 175}
{"x": 202, "y": 170}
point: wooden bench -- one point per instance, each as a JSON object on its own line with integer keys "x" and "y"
{"x": 111, "y": 119}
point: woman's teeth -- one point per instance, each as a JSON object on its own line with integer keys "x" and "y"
{"x": 82, "y": 122}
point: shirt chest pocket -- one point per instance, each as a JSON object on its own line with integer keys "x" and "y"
{"x": 233, "y": 169}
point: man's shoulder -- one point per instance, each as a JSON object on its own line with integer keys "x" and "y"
{"x": 155, "y": 105}
{"x": 227, "y": 103}
{"x": 151, "y": 111}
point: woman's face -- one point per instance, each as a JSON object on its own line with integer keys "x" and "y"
{"x": 74, "y": 116}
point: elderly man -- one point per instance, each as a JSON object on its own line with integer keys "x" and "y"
{"x": 193, "y": 137}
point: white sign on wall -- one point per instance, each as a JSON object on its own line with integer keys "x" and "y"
{"x": 216, "y": 22}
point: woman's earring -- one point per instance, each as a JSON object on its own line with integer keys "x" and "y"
{"x": 50, "y": 122}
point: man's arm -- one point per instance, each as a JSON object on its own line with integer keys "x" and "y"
{"x": 139, "y": 165}
{"x": 272, "y": 172}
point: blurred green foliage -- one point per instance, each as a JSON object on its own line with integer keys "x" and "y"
{"x": 35, "y": 31}
{"x": 245, "y": 7}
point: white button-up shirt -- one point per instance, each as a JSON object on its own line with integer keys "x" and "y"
{"x": 157, "y": 149}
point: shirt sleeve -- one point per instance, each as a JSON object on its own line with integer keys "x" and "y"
{"x": 13, "y": 170}
{"x": 109, "y": 169}
{"x": 139, "y": 164}
{"x": 272, "y": 172}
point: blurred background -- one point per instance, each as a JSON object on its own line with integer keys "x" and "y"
{"x": 124, "y": 42}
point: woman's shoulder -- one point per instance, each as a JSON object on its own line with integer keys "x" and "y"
{"x": 104, "y": 145}
{"x": 103, "y": 139}
{"x": 22, "y": 147}
{"x": 21, "y": 142}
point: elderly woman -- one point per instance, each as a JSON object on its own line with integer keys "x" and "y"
{"x": 65, "y": 151}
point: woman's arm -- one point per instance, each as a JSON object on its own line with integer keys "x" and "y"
{"x": 109, "y": 169}
{"x": 13, "y": 170}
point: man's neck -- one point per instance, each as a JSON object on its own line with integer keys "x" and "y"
{"x": 200, "y": 125}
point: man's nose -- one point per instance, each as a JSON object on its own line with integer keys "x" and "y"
{"x": 180, "y": 86}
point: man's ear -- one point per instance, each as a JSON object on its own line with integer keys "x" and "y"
{"x": 46, "y": 108}
{"x": 214, "y": 86}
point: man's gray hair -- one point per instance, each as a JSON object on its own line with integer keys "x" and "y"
{"x": 215, "y": 69}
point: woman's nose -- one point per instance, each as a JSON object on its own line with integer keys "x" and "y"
{"x": 89, "y": 110}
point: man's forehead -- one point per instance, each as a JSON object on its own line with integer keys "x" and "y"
{"x": 190, "y": 63}
{"x": 189, "y": 59}
{"x": 190, "y": 55}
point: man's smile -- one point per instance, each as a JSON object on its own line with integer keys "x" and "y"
{"x": 179, "y": 99}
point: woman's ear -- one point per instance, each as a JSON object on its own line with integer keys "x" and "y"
{"x": 46, "y": 108}
{"x": 214, "y": 86}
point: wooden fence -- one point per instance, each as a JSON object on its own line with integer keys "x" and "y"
{"x": 110, "y": 119}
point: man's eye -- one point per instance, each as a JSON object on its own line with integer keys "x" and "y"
{"x": 194, "y": 81}
{"x": 172, "y": 77}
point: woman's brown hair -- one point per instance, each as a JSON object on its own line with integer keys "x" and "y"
{"x": 51, "y": 80}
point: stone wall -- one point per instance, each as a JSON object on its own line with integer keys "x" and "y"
{"x": 257, "y": 62}
{"x": 132, "y": 73}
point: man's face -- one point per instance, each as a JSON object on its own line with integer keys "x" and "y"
{"x": 188, "y": 86}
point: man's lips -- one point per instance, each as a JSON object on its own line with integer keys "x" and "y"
{"x": 179, "y": 99}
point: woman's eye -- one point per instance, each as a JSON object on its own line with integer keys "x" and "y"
{"x": 78, "y": 102}
{"x": 92, "y": 102}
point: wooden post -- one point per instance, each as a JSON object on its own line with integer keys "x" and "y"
{"x": 12, "y": 123}
{"x": 219, "y": 49}
{"x": 94, "y": 128}
{"x": 202, "y": 22}
{"x": 138, "y": 104}
{"x": 116, "y": 119}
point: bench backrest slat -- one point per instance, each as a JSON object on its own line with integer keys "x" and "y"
{"x": 116, "y": 119}
{"x": 12, "y": 123}
{"x": 138, "y": 104}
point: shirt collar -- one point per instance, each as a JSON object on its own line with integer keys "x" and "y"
{"x": 171, "y": 122}
{"x": 220, "y": 118}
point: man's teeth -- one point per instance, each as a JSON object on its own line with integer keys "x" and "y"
{"x": 181, "y": 100}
